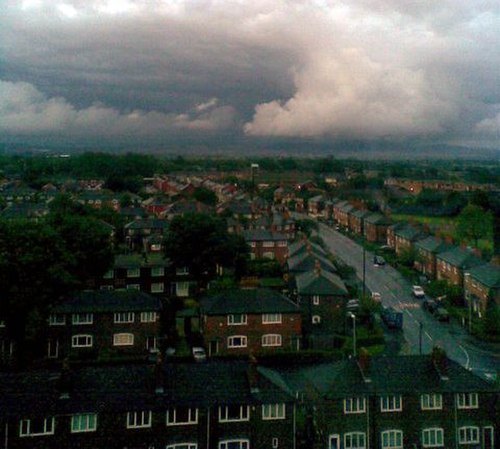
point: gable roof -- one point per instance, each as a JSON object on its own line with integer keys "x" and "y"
{"x": 408, "y": 232}
{"x": 361, "y": 214}
{"x": 460, "y": 258}
{"x": 302, "y": 246}
{"x": 432, "y": 245}
{"x": 322, "y": 283}
{"x": 377, "y": 219}
{"x": 306, "y": 261}
{"x": 487, "y": 274}
{"x": 256, "y": 235}
{"x": 250, "y": 301}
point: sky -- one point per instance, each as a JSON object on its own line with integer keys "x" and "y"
{"x": 162, "y": 71}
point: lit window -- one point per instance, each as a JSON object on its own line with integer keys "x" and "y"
{"x": 433, "y": 437}
{"x": 234, "y": 444}
{"x": 81, "y": 341}
{"x": 273, "y": 411}
{"x": 82, "y": 318}
{"x": 392, "y": 439}
{"x": 148, "y": 317}
{"x": 431, "y": 401}
{"x": 237, "y": 319}
{"x": 467, "y": 400}
{"x": 139, "y": 420}
{"x": 123, "y": 339}
{"x": 390, "y": 404}
{"x": 57, "y": 319}
{"x": 354, "y": 405}
{"x": 86, "y": 422}
{"x": 237, "y": 341}
{"x": 182, "y": 416}
{"x": 36, "y": 427}
{"x": 182, "y": 289}
{"x": 271, "y": 340}
{"x": 355, "y": 440}
{"x": 271, "y": 318}
{"x": 124, "y": 317}
{"x": 468, "y": 435}
{"x": 230, "y": 413}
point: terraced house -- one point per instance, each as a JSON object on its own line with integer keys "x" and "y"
{"x": 482, "y": 286}
{"x": 216, "y": 405}
{"x": 427, "y": 249}
{"x": 452, "y": 264}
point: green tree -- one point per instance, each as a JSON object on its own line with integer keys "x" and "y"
{"x": 206, "y": 196}
{"x": 474, "y": 223}
{"x": 491, "y": 321}
{"x": 307, "y": 226}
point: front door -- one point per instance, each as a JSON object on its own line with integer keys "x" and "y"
{"x": 334, "y": 442}
{"x": 213, "y": 348}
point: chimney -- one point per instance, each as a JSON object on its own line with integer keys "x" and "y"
{"x": 65, "y": 380}
{"x": 159, "y": 388}
{"x": 440, "y": 362}
{"x": 252, "y": 374}
{"x": 363, "y": 363}
{"x": 317, "y": 268}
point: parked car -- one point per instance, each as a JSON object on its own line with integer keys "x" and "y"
{"x": 392, "y": 318}
{"x": 430, "y": 305}
{"x": 199, "y": 354}
{"x": 378, "y": 261}
{"x": 442, "y": 314}
{"x": 418, "y": 291}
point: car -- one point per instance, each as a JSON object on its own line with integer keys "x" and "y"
{"x": 418, "y": 291}
{"x": 376, "y": 297}
{"x": 378, "y": 261}
{"x": 430, "y": 305}
{"x": 199, "y": 354}
{"x": 442, "y": 314}
{"x": 352, "y": 304}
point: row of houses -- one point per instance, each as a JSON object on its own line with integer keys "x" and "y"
{"x": 379, "y": 403}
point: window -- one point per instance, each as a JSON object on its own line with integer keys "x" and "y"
{"x": 271, "y": 318}
{"x": 182, "y": 289}
{"x": 392, "y": 439}
{"x": 275, "y": 443}
{"x": 268, "y": 255}
{"x": 355, "y": 440}
{"x": 36, "y": 427}
{"x": 57, "y": 319}
{"x": 237, "y": 341}
{"x": 283, "y": 243}
{"x": 234, "y": 444}
{"x": 316, "y": 300}
{"x": 133, "y": 272}
{"x": 230, "y": 413}
{"x": 316, "y": 319}
{"x": 53, "y": 348}
{"x": 468, "y": 435}
{"x": 2, "y": 323}
{"x": 467, "y": 400}
{"x": 82, "y": 318}
{"x": 157, "y": 287}
{"x": 182, "y": 416}
{"x": 81, "y": 341}
{"x": 182, "y": 271}
{"x": 237, "y": 319}
{"x": 151, "y": 344}
{"x": 124, "y": 317}
{"x": 271, "y": 340}
{"x": 86, "y": 422}
{"x": 157, "y": 271}
{"x": 133, "y": 287}
{"x": 354, "y": 405}
{"x": 390, "y": 404}
{"x": 148, "y": 317}
{"x": 109, "y": 274}
{"x": 273, "y": 411}
{"x": 433, "y": 437}
{"x": 182, "y": 446}
{"x": 268, "y": 244}
{"x": 123, "y": 339}
{"x": 139, "y": 420}
{"x": 431, "y": 401}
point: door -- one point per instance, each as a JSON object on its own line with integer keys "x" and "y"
{"x": 213, "y": 348}
{"x": 488, "y": 437}
{"x": 334, "y": 442}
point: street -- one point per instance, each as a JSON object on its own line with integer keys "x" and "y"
{"x": 418, "y": 325}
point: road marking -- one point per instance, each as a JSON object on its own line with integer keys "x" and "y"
{"x": 427, "y": 335}
{"x": 466, "y": 355}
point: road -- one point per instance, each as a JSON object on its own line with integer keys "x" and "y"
{"x": 396, "y": 292}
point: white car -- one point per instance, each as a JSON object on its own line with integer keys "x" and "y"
{"x": 418, "y": 291}
{"x": 199, "y": 354}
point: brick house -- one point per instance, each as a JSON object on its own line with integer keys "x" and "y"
{"x": 357, "y": 219}
{"x": 427, "y": 249}
{"x": 98, "y": 199}
{"x": 308, "y": 261}
{"x": 304, "y": 245}
{"x": 397, "y": 402}
{"x": 102, "y": 324}
{"x": 391, "y": 233}
{"x": 375, "y": 227}
{"x": 137, "y": 230}
{"x": 315, "y": 205}
{"x": 250, "y": 320}
{"x": 405, "y": 237}
{"x": 213, "y": 405}
{"x": 451, "y": 265}
{"x": 343, "y": 214}
{"x": 267, "y": 245}
{"x": 482, "y": 284}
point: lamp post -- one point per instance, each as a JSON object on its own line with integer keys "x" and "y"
{"x": 351, "y": 315}
{"x": 469, "y": 300}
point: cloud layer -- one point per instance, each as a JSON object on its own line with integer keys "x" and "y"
{"x": 358, "y": 69}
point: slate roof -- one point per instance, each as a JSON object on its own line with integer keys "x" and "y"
{"x": 409, "y": 233}
{"x": 256, "y": 235}
{"x": 487, "y": 274}
{"x": 346, "y": 208}
{"x": 130, "y": 387}
{"x": 316, "y": 199}
{"x": 302, "y": 245}
{"x": 377, "y": 219}
{"x": 103, "y": 301}
{"x": 361, "y": 214}
{"x": 306, "y": 261}
{"x": 432, "y": 245}
{"x": 460, "y": 258}
{"x": 147, "y": 223}
{"x": 250, "y": 301}
{"x": 326, "y": 283}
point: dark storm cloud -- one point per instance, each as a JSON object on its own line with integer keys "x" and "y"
{"x": 352, "y": 69}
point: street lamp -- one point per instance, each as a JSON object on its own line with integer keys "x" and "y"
{"x": 351, "y": 315}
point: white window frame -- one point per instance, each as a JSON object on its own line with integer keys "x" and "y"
{"x": 316, "y": 300}
{"x": 230, "y": 341}
{"x": 391, "y": 403}
{"x": 316, "y": 319}
{"x": 157, "y": 287}
{"x": 275, "y": 443}
{"x": 354, "y": 405}
{"x": 157, "y": 271}
{"x": 465, "y": 438}
{"x": 123, "y": 317}
{"x": 271, "y": 340}
{"x": 268, "y": 244}
{"x": 133, "y": 272}
{"x": 82, "y": 318}
{"x": 355, "y": 444}
{"x": 224, "y": 413}
{"x": 182, "y": 289}
{"x": 148, "y": 317}
{"x": 182, "y": 446}
{"x": 272, "y": 318}
{"x": 273, "y": 411}
{"x": 467, "y": 400}
{"x": 393, "y": 435}
{"x": 172, "y": 420}
{"x": 433, "y": 437}
{"x": 232, "y": 322}
{"x": 244, "y": 443}
{"x": 90, "y": 421}
{"x": 123, "y": 339}
{"x": 25, "y": 427}
{"x": 134, "y": 287}
{"x": 139, "y": 420}
{"x": 89, "y": 341}
{"x": 431, "y": 401}
{"x": 55, "y": 319}
{"x": 110, "y": 274}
